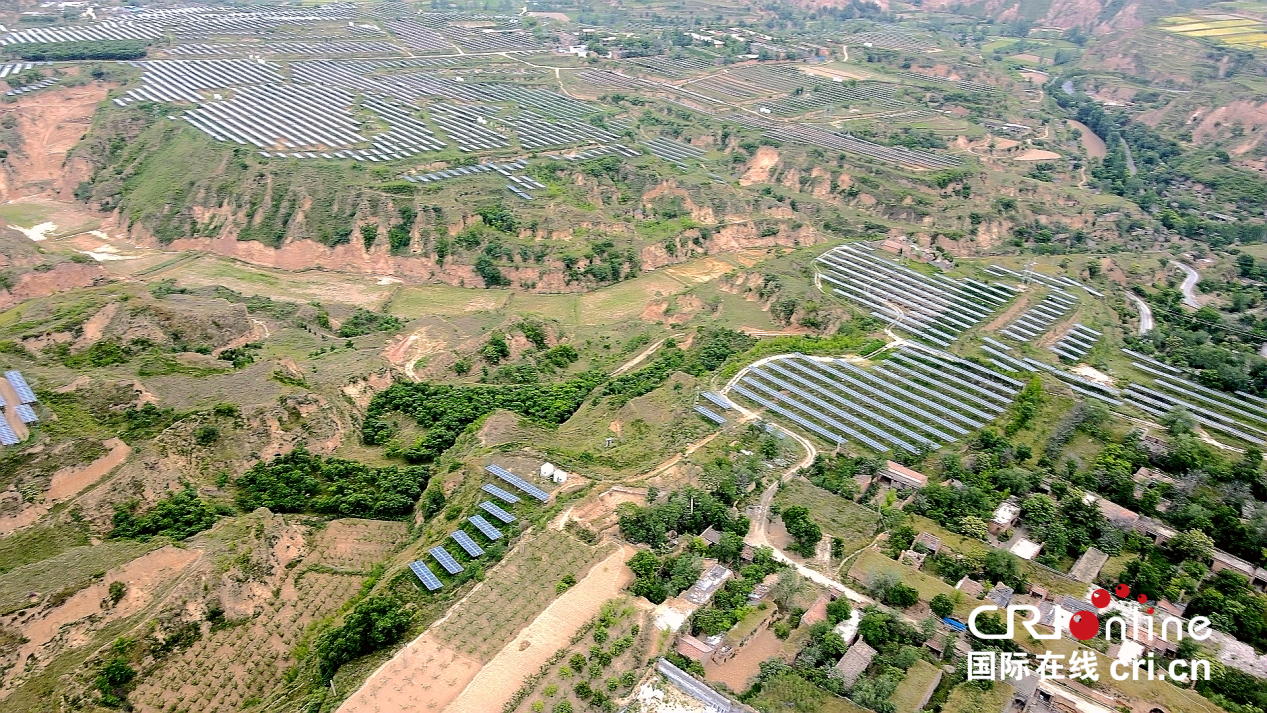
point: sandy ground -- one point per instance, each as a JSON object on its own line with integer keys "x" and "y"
{"x": 739, "y": 669}
{"x": 67, "y": 483}
{"x": 80, "y": 614}
{"x": 1036, "y": 155}
{"x": 1092, "y": 144}
{"x": 425, "y": 676}
{"x": 549, "y": 632}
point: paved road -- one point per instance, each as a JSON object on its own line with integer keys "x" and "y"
{"x": 1146, "y": 316}
{"x": 1130, "y": 160}
{"x": 1190, "y": 282}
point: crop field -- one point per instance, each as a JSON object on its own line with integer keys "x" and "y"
{"x": 357, "y": 545}
{"x": 524, "y": 585}
{"x": 241, "y": 662}
{"x": 1230, "y": 31}
{"x": 626, "y": 636}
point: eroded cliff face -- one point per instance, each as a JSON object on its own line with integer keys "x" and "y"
{"x": 40, "y": 129}
{"x": 1098, "y": 16}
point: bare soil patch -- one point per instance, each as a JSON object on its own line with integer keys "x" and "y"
{"x": 50, "y": 123}
{"x": 738, "y": 671}
{"x": 425, "y": 676}
{"x": 1036, "y": 155}
{"x": 1093, "y": 145}
{"x": 758, "y": 171}
{"x": 69, "y": 481}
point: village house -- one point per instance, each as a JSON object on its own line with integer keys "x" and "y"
{"x": 901, "y": 477}
{"x": 854, "y": 662}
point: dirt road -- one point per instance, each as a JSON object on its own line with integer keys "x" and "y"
{"x": 760, "y": 531}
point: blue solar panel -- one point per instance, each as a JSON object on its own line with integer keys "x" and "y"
{"x": 482, "y": 525}
{"x": 497, "y": 512}
{"x": 501, "y": 494}
{"x": 26, "y": 413}
{"x": 429, "y": 578}
{"x": 518, "y": 482}
{"x": 7, "y": 436}
{"x": 711, "y": 416}
{"x": 445, "y": 559}
{"x": 467, "y": 543}
{"x": 718, "y": 399}
{"x": 25, "y": 394}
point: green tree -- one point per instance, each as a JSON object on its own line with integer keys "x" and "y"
{"x": 803, "y": 530}
{"x": 838, "y": 610}
{"x": 942, "y": 605}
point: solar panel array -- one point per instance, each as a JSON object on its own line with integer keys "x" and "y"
{"x": 464, "y": 540}
{"x": 445, "y": 559}
{"x": 675, "y": 152}
{"x": 25, "y": 394}
{"x": 425, "y": 575}
{"x": 497, "y": 512}
{"x": 500, "y": 494}
{"x": 710, "y": 415}
{"x": 1036, "y": 320}
{"x": 7, "y": 436}
{"x": 936, "y": 309}
{"x": 814, "y": 135}
{"x": 28, "y": 88}
{"x": 718, "y": 400}
{"x": 1080, "y": 385}
{"x": 1243, "y": 416}
{"x": 26, "y": 413}
{"x": 15, "y": 67}
{"x": 1076, "y": 342}
{"x": 483, "y": 526}
{"x": 518, "y": 482}
{"x": 918, "y": 399}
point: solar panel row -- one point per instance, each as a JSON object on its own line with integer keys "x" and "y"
{"x": 424, "y": 573}
{"x": 465, "y": 541}
{"x": 518, "y": 482}
{"x": 497, "y": 512}
{"x": 483, "y": 526}
{"x": 445, "y": 559}
{"x": 25, "y": 394}
{"x": 500, "y": 494}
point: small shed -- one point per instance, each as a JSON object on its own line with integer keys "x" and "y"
{"x": 971, "y": 587}
{"x": 928, "y": 541}
{"x": 854, "y": 662}
{"x": 694, "y": 649}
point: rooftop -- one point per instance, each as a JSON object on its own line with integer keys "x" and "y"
{"x": 902, "y": 474}
{"x": 1026, "y": 549}
{"x": 1006, "y": 514}
{"x": 708, "y": 583}
{"x": 854, "y": 662}
{"x": 1088, "y": 565}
